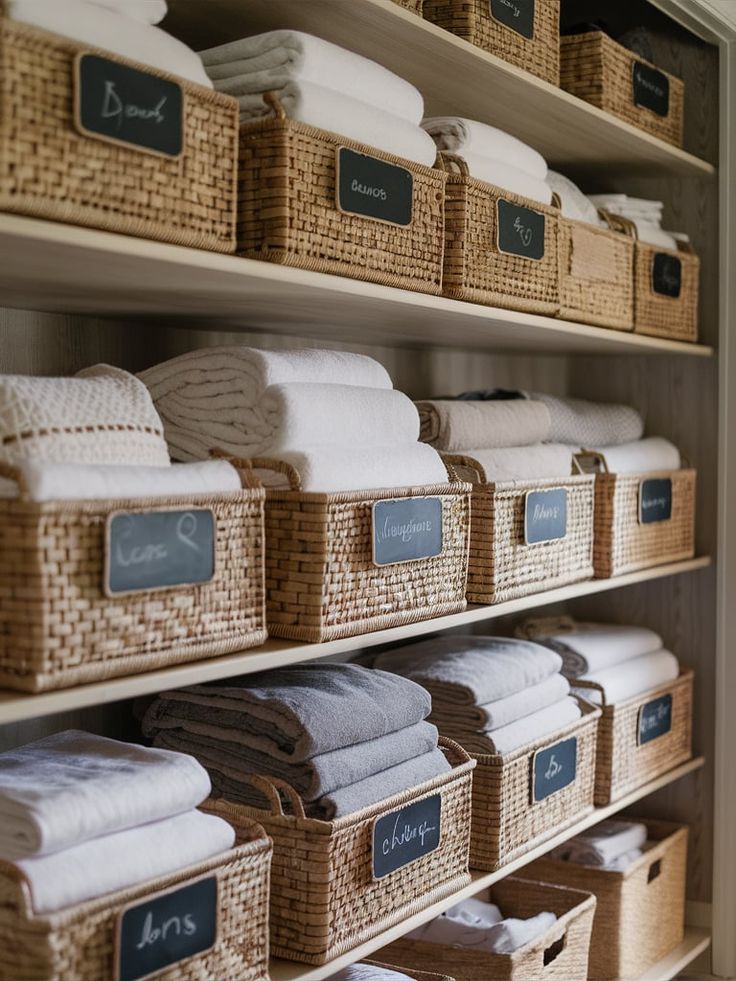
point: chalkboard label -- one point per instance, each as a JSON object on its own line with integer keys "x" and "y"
{"x": 406, "y": 835}
{"x": 545, "y": 516}
{"x": 554, "y": 769}
{"x": 372, "y": 188}
{"x": 655, "y": 719}
{"x": 158, "y": 549}
{"x": 655, "y": 500}
{"x": 516, "y": 14}
{"x": 124, "y": 105}
{"x": 166, "y": 929}
{"x": 520, "y": 230}
{"x": 651, "y": 89}
{"x": 666, "y": 274}
{"x": 406, "y": 529}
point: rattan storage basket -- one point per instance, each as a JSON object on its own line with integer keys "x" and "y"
{"x": 640, "y": 913}
{"x": 50, "y": 169}
{"x": 61, "y": 626}
{"x": 324, "y": 897}
{"x": 559, "y": 954}
{"x": 415, "y": 6}
{"x": 478, "y": 21}
{"x": 80, "y": 943}
{"x": 597, "y": 69}
{"x": 411, "y": 973}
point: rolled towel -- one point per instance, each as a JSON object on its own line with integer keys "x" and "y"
{"x": 74, "y": 786}
{"x": 124, "y": 859}
{"x": 507, "y": 177}
{"x": 145, "y": 11}
{"x": 503, "y": 711}
{"x": 603, "y": 843}
{"x": 368, "y": 972}
{"x": 577, "y": 421}
{"x": 523, "y": 462}
{"x": 521, "y": 733}
{"x": 452, "y": 425}
{"x": 573, "y": 203}
{"x": 590, "y": 647}
{"x": 461, "y": 136}
{"x": 503, "y": 937}
{"x": 635, "y": 676}
{"x": 641, "y": 456}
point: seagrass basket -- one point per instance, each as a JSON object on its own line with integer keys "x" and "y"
{"x": 559, "y": 954}
{"x": 411, "y": 973}
{"x": 640, "y": 913}
{"x": 50, "y": 168}
{"x": 415, "y": 6}
{"x": 597, "y": 69}
{"x": 534, "y": 47}
{"x": 81, "y": 942}
{"x": 325, "y": 899}
{"x": 61, "y": 625}
{"x": 288, "y": 209}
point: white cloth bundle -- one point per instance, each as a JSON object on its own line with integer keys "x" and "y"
{"x": 503, "y": 711}
{"x": 523, "y": 462}
{"x": 523, "y": 732}
{"x": 146, "y": 11}
{"x": 466, "y": 136}
{"x": 469, "y": 928}
{"x": 507, "y": 177}
{"x": 646, "y": 216}
{"x": 603, "y": 844}
{"x": 573, "y": 203}
{"x": 586, "y": 648}
{"x": 640, "y": 456}
{"x": 368, "y": 972}
{"x": 637, "y": 675}
{"x": 584, "y": 423}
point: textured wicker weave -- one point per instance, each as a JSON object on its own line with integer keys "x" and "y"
{"x": 78, "y": 944}
{"x": 506, "y": 824}
{"x": 596, "y": 275}
{"x": 49, "y": 170}
{"x": 637, "y": 921}
{"x": 411, "y": 973}
{"x": 57, "y": 626}
{"x": 472, "y": 20}
{"x": 599, "y": 70}
{"x": 324, "y": 900}
{"x": 414, "y": 5}
{"x": 288, "y": 212}
{"x": 559, "y": 954}
{"x": 666, "y": 316}
{"x": 621, "y": 543}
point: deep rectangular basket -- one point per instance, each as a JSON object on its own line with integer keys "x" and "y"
{"x": 597, "y": 69}
{"x": 558, "y": 954}
{"x": 473, "y": 21}
{"x": 324, "y": 899}
{"x": 80, "y": 942}
{"x": 658, "y": 314}
{"x": 58, "y": 627}
{"x": 640, "y": 913}
{"x": 50, "y": 169}
{"x": 596, "y": 275}
{"x": 288, "y": 213}
{"x": 415, "y": 6}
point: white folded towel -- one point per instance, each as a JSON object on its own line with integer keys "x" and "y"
{"x": 573, "y": 203}
{"x": 640, "y": 456}
{"x": 146, "y": 11}
{"x": 640, "y": 674}
{"x": 368, "y": 972}
{"x": 74, "y": 786}
{"x": 584, "y": 423}
{"x": 462, "y": 136}
{"x": 622, "y": 862}
{"x": 589, "y": 647}
{"x": 636, "y": 208}
{"x": 507, "y": 177}
{"x": 500, "y": 937}
{"x": 523, "y": 462}
{"x": 475, "y": 912}
{"x": 603, "y": 844}
{"x": 503, "y": 711}
{"x": 124, "y": 859}
{"x": 521, "y": 733}
{"x": 652, "y": 234}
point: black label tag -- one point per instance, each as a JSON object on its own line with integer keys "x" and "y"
{"x": 158, "y": 549}
{"x": 666, "y": 274}
{"x": 520, "y": 230}
{"x": 406, "y": 529}
{"x": 545, "y": 516}
{"x": 554, "y": 768}
{"x": 372, "y": 188}
{"x": 165, "y": 929}
{"x": 516, "y": 14}
{"x": 655, "y": 500}
{"x": 124, "y": 105}
{"x": 655, "y": 719}
{"x": 651, "y": 89}
{"x": 406, "y": 835}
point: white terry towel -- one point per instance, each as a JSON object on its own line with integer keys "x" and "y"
{"x": 145, "y": 11}
{"x": 368, "y": 972}
{"x": 592, "y": 647}
{"x": 452, "y": 425}
{"x": 113, "y": 31}
{"x": 504, "y": 710}
{"x": 578, "y": 421}
{"x": 523, "y": 732}
{"x": 640, "y": 456}
{"x": 603, "y": 843}
{"x": 507, "y": 177}
{"x": 628, "y": 207}
{"x": 573, "y": 203}
{"x": 633, "y": 677}
{"x": 462, "y": 136}
{"x": 124, "y": 859}
{"x": 73, "y": 786}
{"x": 523, "y": 462}
{"x": 654, "y": 235}
{"x": 497, "y": 936}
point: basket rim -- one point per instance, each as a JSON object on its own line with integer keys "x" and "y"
{"x": 456, "y": 459}
{"x": 468, "y": 181}
{"x": 248, "y": 495}
{"x": 452, "y": 489}
{"x": 589, "y": 718}
{"x": 685, "y": 678}
{"x": 645, "y": 475}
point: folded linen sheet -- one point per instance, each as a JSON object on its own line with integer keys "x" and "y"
{"x": 503, "y": 711}
{"x": 636, "y": 208}
{"x": 573, "y": 203}
{"x": 452, "y": 425}
{"x": 497, "y": 936}
{"x": 462, "y": 136}
{"x": 507, "y": 177}
{"x": 145, "y": 11}
{"x": 603, "y": 843}
{"x": 73, "y": 786}
{"x": 640, "y": 674}
{"x": 507, "y": 739}
{"x": 654, "y": 235}
{"x": 591, "y": 647}
{"x": 640, "y": 456}
{"x": 368, "y": 972}
{"x": 523, "y": 462}
{"x": 578, "y": 421}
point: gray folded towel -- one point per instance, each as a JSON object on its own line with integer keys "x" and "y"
{"x": 579, "y": 422}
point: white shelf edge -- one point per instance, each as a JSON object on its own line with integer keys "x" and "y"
{"x": 695, "y": 942}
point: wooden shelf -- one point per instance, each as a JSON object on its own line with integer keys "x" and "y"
{"x": 695, "y": 942}
{"x": 289, "y": 971}
{"x": 455, "y": 78}
{"x": 66, "y": 269}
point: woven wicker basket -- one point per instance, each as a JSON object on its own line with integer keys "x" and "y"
{"x": 597, "y": 69}
{"x": 415, "y": 6}
{"x": 58, "y": 627}
{"x": 79, "y": 943}
{"x": 640, "y": 913}
{"x": 411, "y": 973}
{"x": 287, "y": 209}
{"x": 473, "y": 20}
{"x": 559, "y": 954}
{"x": 475, "y": 268}
{"x": 324, "y": 899}
{"x": 49, "y": 169}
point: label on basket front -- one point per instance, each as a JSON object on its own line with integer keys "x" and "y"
{"x": 554, "y": 769}
{"x": 655, "y": 719}
{"x": 158, "y": 549}
{"x": 545, "y": 516}
{"x": 655, "y": 500}
{"x": 406, "y": 529}
{"x": 666, "y": 274}
{"x": 372, "y": 188}
{"x": 651, "y": 89}
{"x": 165, "y": 929}
{"x": 516, "y": 14}
{"x": 124, "y": 105}
{"x": 404, "y": 836}
{"x": 520, "y": 231}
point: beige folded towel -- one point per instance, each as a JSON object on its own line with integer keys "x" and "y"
{"x": 453, "y": 425}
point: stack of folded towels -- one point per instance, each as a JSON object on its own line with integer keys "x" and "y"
{"x": 490, "y": 694}
{"x": 343, "y": 736}
{"x": 610, "y": 845}
{"x": 82, "y": 816}
{"x": 574, "y": 204}
{"x": 124, "y": 27}
{"x": 332, "y": 416}
{"x": 646, "y": 216}
{"x": 325, "y": 86}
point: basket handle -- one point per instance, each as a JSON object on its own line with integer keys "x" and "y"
{"x": 577, "y": 457}
{"x": 617, "y": 223}
{"x": 10, "y": 472}
{"x": 468, "y": 463}
{"x": 279, "y": 466}
{"x": 274, "y": 103}
{"x": 551, "y": 953}
{"x": 542, "y": 626}
{"x": 451, "y": 163}
{"x": 272, "y": 788}
{"x": 248, "y": 479}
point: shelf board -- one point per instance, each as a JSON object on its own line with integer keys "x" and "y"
{"x": 15, "y": 707}
{"x": 67, "y": 269}
{"x": 695, "y": 942}
{"x": 455, "y": 78}
{"x": 290, "y": 971}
